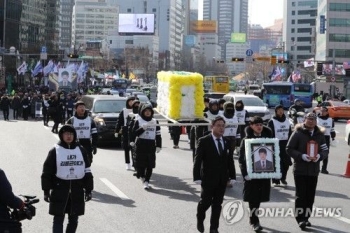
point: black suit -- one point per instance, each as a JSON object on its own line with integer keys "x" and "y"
{"x": 268, "y": 166}
{"x": 213, "y": 170}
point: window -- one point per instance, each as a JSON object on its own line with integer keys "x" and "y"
{"x": 293, "y": 30}
{"x": 293, "y": 12}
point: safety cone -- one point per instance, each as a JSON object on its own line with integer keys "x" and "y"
{"x": 183, "y": 130}
{"x": 347, "y": 172}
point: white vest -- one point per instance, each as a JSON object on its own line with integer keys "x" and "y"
{"x": 231, "y": 126}
{"x": 241, "y": 115}
{"x": 150, "y": 132}
{"x": 46, "y": 103}
{"x": 327, "y": 124}
{"x": 70, "y": 163}
{"x": 281, "y": 129}
{"x": 82, "y": 127}
{"x": 126, "y": 112}
{"x": 211, "y": 116}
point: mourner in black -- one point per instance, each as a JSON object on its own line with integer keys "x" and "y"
{"x": 281, "y": 129}
{"x": 243, "y": 119}
{"x": 324, "y": 120}
{"x": 5, "y": 106}
{"x": 255, "y": 191}
{"x": 146, "y": 138}
{"x": 67, "y": 180}
{"x": 306, "y": 166}
{"x": 213, "y": 167}
{"x": 45, "y": 109}
{"x": 122, "y": 130}
{"x": 86, "y": 129}
{"x": 16, "y": 105}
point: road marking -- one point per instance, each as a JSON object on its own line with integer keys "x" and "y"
{"x": 346, "y": 220}
{"x": 114, "y": 189}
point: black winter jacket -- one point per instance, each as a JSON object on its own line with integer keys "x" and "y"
{"x": 297, "y": 146}
{"x": 67, "y": 196}
{"x": 7, "y": 198}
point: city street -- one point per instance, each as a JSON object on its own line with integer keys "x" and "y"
{"x": 120, "y": 204}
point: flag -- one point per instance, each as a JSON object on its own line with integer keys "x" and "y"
{"x": 80, "y": 73}
{"x": 49, "y": 68}
{"x": 309, "y": 62}
{"x": 290, "y": 79}
{"x": 31, "y": 65}
{"x": 22, "y": 68}
{"x": 37, "y": 69}
{"x": 296, "y": 76}
{"x": 57, "y": 67}
{"x": 346, "y": 65}
{"x": 71, "y": 67}
{"x": 276, "y": 74}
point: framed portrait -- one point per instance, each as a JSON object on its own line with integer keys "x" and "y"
{"x": 262, "y": 158}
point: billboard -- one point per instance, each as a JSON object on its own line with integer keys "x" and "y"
{"x": 203, "y": 26}
{"x": 238, "y": 38}
{"x": 136, "y": 24}
{"x": 327, "y": 69}
{"x": 280, "y": 55}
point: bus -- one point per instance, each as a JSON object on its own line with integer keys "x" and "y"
{"x": 285, "y": 93}
{"x": 120, "y": 84}
{"x": 217, "y": 83}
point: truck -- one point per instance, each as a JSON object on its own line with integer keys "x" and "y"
{"x": 331, "y": 88}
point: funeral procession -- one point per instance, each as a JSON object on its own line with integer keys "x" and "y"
{"x": 172, "y": 116}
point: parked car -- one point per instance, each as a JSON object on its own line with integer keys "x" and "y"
{"x": 104, "y": 110}
{"x": 214, "y": 95}
{"x": 336, "y": 109}
{"x": 253, "y": 104}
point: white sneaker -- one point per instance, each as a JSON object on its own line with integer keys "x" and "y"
{"x": 145, "y": 185}
{"x": 128, "y": 167}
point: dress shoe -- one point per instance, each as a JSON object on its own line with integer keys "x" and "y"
{"x": 214, "y": 231}
{"x": 302, "y": 225}
{"x": 256, "y": 227}
{"x": 324, "y": 171}
{"x": 200, "y": 226}
{"x": 308, "y": 224}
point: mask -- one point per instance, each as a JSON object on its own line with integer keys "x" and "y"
{"x": 135, "y": 109}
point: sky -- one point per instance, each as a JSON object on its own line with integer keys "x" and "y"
{"x": 262, "y": 12}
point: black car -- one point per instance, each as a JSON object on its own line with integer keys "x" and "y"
{"x": 104, "y": 110}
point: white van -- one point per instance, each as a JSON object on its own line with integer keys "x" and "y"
{"x": 252, "y": 88}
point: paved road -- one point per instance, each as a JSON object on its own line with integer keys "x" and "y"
{"x": 120, "y": 204}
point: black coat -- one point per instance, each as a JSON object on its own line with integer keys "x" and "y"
{"x": 16, "y": 103}
{"x": 255, "y": 190}
{"x": 5, "y": 103}
{"x": 7, "y": 198}
{"x": 297, "y": 146}
{"x": 67, "y": 196}
{"x": 210, "y": 167}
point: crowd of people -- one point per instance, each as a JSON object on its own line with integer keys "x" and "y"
{"x": 213, "y": 148}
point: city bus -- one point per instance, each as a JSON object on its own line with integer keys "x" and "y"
{"x": 217, "y": 83}
{"x": 120, "y": 84}
{"x": 285, "y": 93}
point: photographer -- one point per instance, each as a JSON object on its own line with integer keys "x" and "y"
{"x": 8, "y": 199}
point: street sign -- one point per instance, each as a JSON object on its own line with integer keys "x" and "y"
{"x": 249, "y": 52}
{"x": 248, "y": 60}
{"x": 43, "y": 56}
{"x": 43, "y": 49}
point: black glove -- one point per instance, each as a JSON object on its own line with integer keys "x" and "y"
{"x": 47, "y": 196}
{"x": 94, "y": 150}
{"x": 88, "y": 196}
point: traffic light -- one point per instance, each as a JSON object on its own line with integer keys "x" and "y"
{"x": 283, "y": 61}
{"x": 273, "y": 60}
{"x": 73, "y": 55}
{"x": 237, "y": 59}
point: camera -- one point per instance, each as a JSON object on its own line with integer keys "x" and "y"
{"x": 28, "y": 211}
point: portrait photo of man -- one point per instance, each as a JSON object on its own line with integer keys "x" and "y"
{"x": 263, "y": 161}
{"x": 64, "y": 79}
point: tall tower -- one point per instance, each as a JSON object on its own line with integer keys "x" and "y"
{"x": 231, "y": 16}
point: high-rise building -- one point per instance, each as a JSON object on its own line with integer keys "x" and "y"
{"x": 231, "y": 16}
{"x": 65, "y": 24}
{"x": 169, "y": 24}
{"x": 334, "y": 44}
{"x": 93, "y": 20}
{"x": 299, "y": 29}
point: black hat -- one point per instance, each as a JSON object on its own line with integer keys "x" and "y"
{"x": 311, "y": 115}
{"x": 67, "y": 128}
{"x": 79, "y": 102}
{"x": 256, "y": 120}
{"x": 279, "y": 106}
